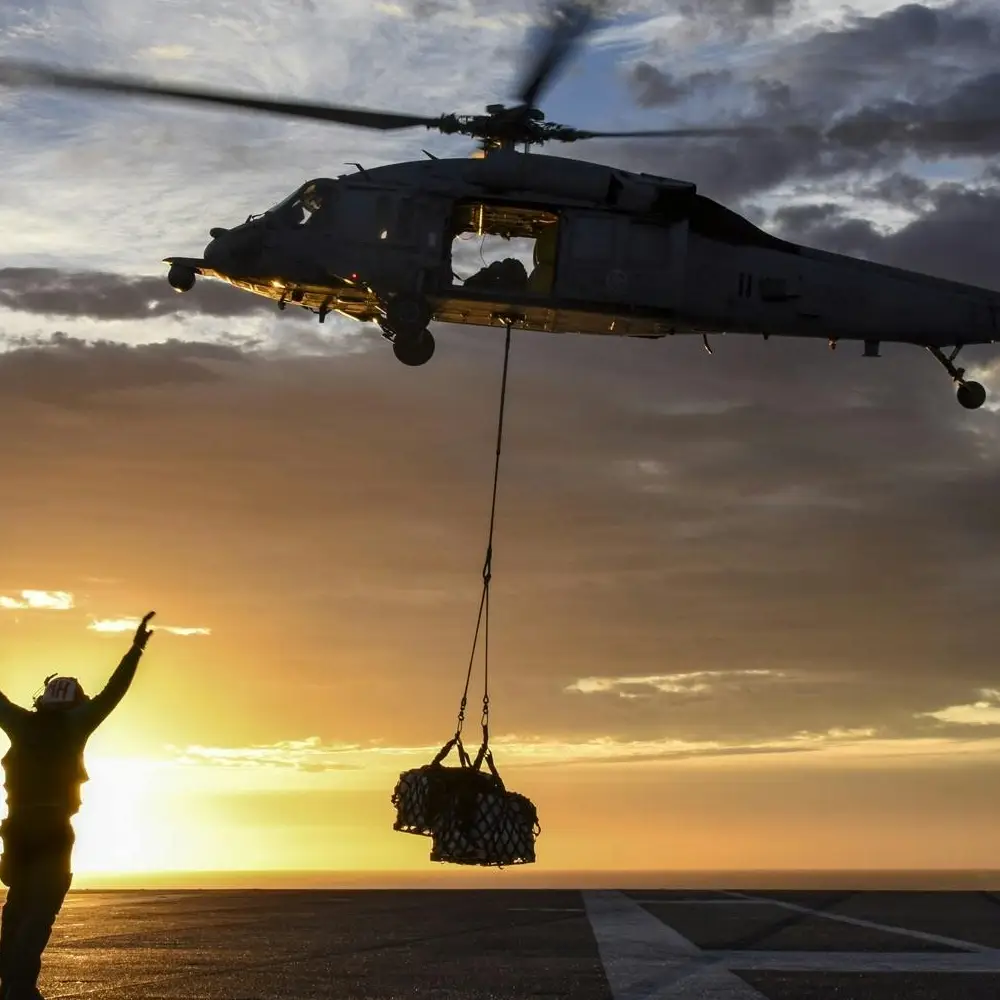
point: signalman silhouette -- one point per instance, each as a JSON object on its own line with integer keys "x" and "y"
{"x": 43, "y": 774}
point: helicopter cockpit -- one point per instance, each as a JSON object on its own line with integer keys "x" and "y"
{"x": 302, "y": 205}
{"x": 239, "y": 249}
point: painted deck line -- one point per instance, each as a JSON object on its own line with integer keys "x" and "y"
{"x": 645, "y": 959}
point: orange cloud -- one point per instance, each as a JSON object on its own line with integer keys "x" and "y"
{"x": 38, "y": 600}
{"x": 130, "y": 624}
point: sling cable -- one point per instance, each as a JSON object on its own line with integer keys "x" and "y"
{"x": 470, "y": 815}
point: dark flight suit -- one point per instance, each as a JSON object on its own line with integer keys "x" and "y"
{"x": 44, "y": 772}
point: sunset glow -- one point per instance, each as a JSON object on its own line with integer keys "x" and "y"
{"x": 190, "y": 775}
{"x": 743, "y": 603}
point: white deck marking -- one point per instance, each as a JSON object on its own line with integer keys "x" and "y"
{"x": 545, "y": 909}
{"x": 644, "y": 959}
{"x": 858, "y": 961}
{"x": 700, "y": 902}
{"x": 871, "y": 924}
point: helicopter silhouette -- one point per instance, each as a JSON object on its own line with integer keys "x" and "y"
{"x": 614, "y": 252}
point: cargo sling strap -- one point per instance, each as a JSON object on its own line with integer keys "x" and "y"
{"x": 472, "y": 818}
{"x": 483, "y": 618}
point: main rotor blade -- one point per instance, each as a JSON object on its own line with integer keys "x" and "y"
{"x": 855, "y": 132}
{"x": 868, "y": 132}
{"x": 22, "y": 74}
{"x": 743, "y": 131}
{"x": 572, "y": 19}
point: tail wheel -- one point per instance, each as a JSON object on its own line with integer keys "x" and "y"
{"x": 971, "y": 395}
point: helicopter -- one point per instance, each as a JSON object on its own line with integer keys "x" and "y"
{"x": 613, "y": 252}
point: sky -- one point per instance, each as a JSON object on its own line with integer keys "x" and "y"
{"x": 744, "y": 605}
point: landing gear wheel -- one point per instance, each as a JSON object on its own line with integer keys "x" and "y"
{"x": 414, "y": 349}
{"x": 971, "y": 395}
{"x": 408, "y": 314}
{"x": 181, "y": 278}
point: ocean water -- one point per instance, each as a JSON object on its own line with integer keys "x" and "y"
{"x": 528, "y": 877}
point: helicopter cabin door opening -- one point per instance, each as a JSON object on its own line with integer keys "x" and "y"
{"x": 504, "y": 248}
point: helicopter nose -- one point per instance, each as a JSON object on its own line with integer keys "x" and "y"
{"x": 233, "y": 251}
{"x": 214, "y": 254}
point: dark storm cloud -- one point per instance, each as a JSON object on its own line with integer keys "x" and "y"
{"x": 912, "y": 80}
{"x": 898, "y": 189}
{"x": 964, "y": 122}
{"x": 65, "y": 370}
{"x": 739, "y": 16}
{"x": 427, "y": 8}
{"x": 955, "y": 238}
{"x": 99, "y": 295}
{"x": 795, "y": 220}
{"x": 911, "y": 37}
{"x": 653, "y": 88}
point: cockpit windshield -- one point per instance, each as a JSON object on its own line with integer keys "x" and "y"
{"x": 302, "y": 204}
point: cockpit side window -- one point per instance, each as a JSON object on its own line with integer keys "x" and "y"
{"x": 321, "y": 205}
{"x": 315, "y": 198}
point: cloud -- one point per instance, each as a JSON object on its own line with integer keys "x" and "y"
{"x": 116, "y": 625}
{"x": 878, "y": 85}
{"x": 73, "y": 195}
{"x": 303, "y": 755}
{"x": 652, "y": 88}
{"x": 984, "y": 712}
{"x": 66, "y": 370}
{"x": 842, "y": 744}
{"x": 38, "y": 600}
{"x": 695, "y": 682}
{"x": 540, "y": 751}
{"x": 954, "y": 236}
{"x": 97, "y": 295}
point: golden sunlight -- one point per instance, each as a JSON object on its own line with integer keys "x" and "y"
{"x": 156, "y": 816}
{"x": 301, "y": 806}
{"x": 117, "y": 825}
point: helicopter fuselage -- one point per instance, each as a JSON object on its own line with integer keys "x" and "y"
{"x": 615, "y": 253}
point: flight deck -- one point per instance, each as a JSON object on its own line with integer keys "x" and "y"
{"x": 512, "y": 944}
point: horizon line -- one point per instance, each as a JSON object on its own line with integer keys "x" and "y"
{"x": 524, "y": 879}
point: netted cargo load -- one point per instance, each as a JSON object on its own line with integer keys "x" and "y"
{"x": 423, "y": 793}
{"x": 484, "y": 823}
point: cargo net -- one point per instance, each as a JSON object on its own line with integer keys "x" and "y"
{"x": 469, "y": 814}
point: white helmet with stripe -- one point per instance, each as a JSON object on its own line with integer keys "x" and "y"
{"x": 61, "y": 692}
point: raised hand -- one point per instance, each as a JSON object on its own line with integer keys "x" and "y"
{"x": 142, "y": 633}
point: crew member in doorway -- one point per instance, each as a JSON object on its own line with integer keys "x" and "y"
{"x": 507, "y": 275}
{"x": 43, "y": 774}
